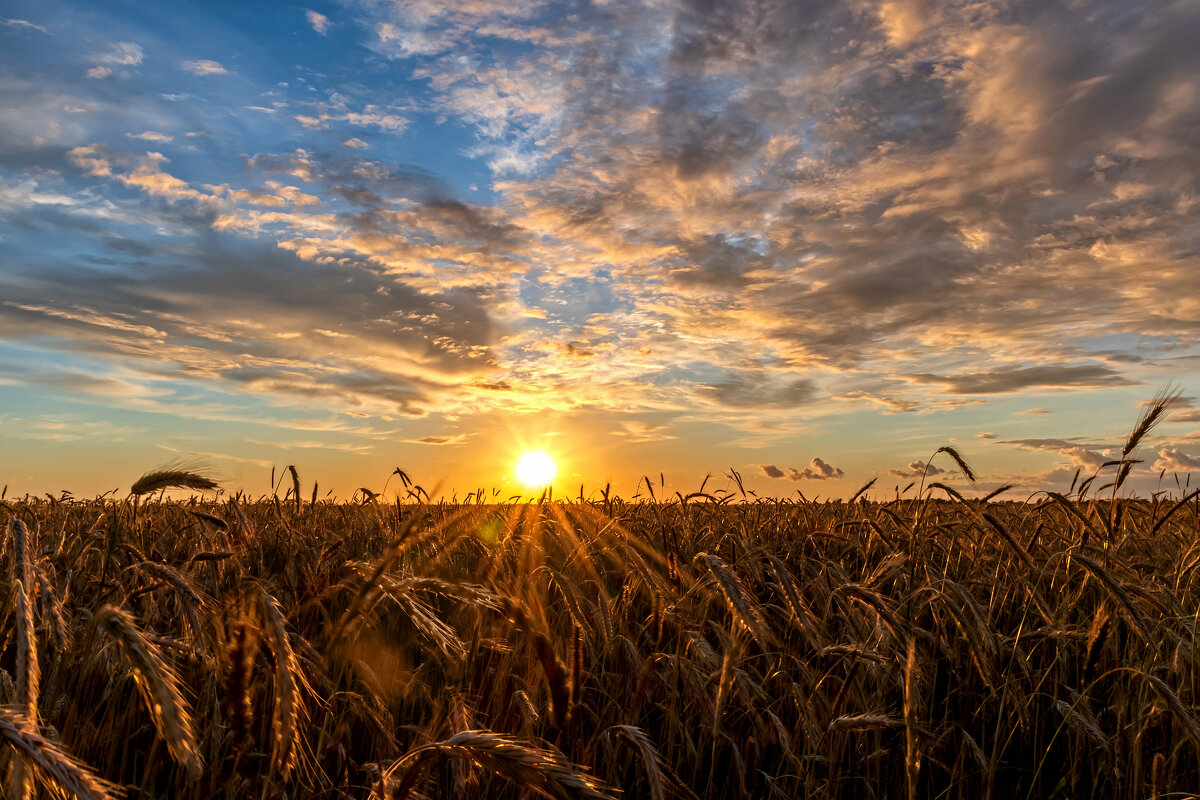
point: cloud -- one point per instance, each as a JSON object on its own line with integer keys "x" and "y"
{"x": 203, "y": 67}
{"x": 74, "y": 382}
{"x": 1015, "y": 379}
{"x": 1036, "y": 411}
{"x": 115, "y": 61}
{"x": 251, "y": 322}
{"x": 453, "y": 439}
{"x": 318, "y": 21}
{"x": 1176, "y": 461}
{"x": 338, "y": 110}
{"x": 817, "y": 470}
{"x": 356, "y": 143}
{"x": 746, "y": 390}
{"x": 151, "y": 136}
{"x": 1080, "y": 454}
{"x": 1185, "y": 415}
{"x": 893, "y": 404}
{"x": 67, "y": 428}
{"x": 140, "y": 172}
{"x": 918, "y": 469}
{"x": 122, "y": 54}
{"x": 23, "y": 24}
{"x": 734, "y": 210}
{"x": 412, "y": 27}
{"x": 985, "y": 435}
{"x": 643, "y": 431}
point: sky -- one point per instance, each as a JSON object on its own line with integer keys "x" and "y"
{"x": 807, "y": 241}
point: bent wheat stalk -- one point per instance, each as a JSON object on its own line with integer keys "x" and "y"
{"x": 169, "y": 478}
{"x": 544, "y": 771}
{"x": 58, "y": 770}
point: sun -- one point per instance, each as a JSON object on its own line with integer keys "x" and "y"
{"x": 535, "y": 470}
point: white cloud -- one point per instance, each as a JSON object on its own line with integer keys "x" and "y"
{"x": 203, "y": 67}
{"x": 1176, "y": 461}
{"x": 124, "y": 54}
{"x": 151, "y": 136}
{"x": 23, "y": 23}
{"x": 319, "y": 22}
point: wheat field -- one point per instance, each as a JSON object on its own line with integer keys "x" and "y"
{"x": 701, "y": 646}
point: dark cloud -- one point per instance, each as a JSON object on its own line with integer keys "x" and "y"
{"x": 817, "y": 470}
{"x": 1015, "y": 379}
{"x": 264, "y": 320}
{"x": 917, "y": 469}
{"x": 750, "y": 391}
{"x": 457, "y": 438}
{"x": 1048, "y": 444}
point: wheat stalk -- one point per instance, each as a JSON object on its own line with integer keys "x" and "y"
{"x": 29, "y": 672}
{"x": 240, "y": 654}
{"x": 61, "y": 772}
{"x": 171, "y": 478}
{"x": 286, "y": 713}
{"x": 736, "y": 597}
{"x": 158, "y": 685}
{"x": 189, "y": 598}
{"x": 912, "y": 707}
{"x": 649, "y": 757}
{"x": 530, "y": 767}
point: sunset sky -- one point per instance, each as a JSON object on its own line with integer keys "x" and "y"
{"x": 809, "y": 241}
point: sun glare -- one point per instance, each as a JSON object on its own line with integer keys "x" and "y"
{"x": 535, "y": 470}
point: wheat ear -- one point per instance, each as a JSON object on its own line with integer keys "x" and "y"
{"x": 649, "y": 755}
{"x": 158, "y": 685}
{"x": 64, "y": 774}
{"x": 28, "y": 672}
{"x": 188, "y": 597}
{"x": 286, "y": 713}
{"x": 172, "y": 479}
{"x": 544, "y": 771}
{"x": 736, "y": 598}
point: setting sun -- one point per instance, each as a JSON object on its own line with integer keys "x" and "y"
{"x": 535, "y": 470}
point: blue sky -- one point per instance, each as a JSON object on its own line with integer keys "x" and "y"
{"x": 809, "y": 241}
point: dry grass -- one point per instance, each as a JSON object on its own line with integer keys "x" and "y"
{"x": 702, "y": 647}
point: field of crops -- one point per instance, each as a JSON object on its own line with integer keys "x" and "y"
{"x": 708, "y": 646}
